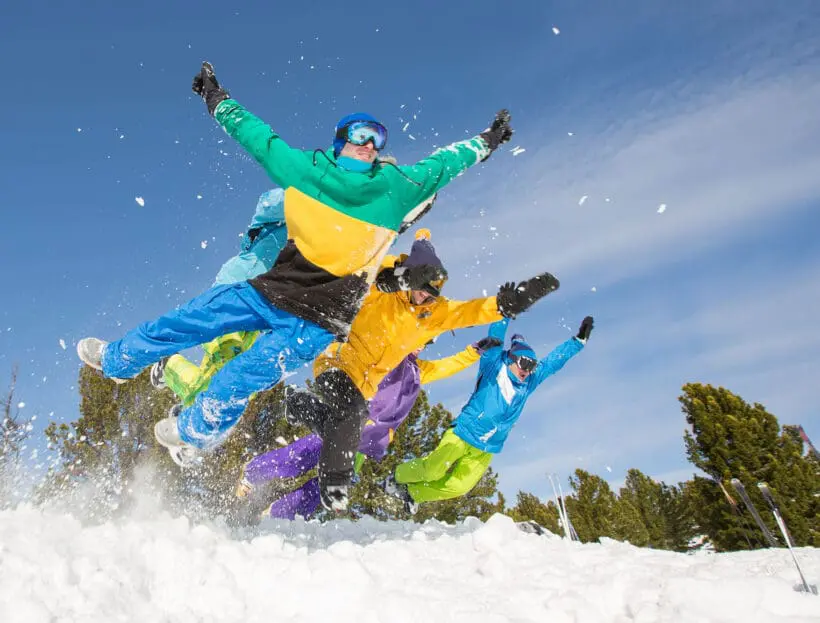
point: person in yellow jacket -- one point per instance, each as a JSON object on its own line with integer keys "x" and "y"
{"x": 403, "y": 310}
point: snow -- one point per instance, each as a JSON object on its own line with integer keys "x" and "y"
{"x": 204, "y": 244}
{"x": 140, "y": 201}
{"x": 62, "y": 343}
{"x": 555, "y": 30}
{"x": 153, "y": 567}
{"x": 21, "y": 405}
{"x": 582, "y": 200}
{"x": 662, "y": 208}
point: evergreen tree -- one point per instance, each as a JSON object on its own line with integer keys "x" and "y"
{"x": 733, "y": 439}
{"x": 627, "y": 524}
{"x": 646, "y": 496}
{"x": 104, "y": 446}
{"x": 591, "y": 508}
{"x": 529, "y": 508}
{"x": 14, "y": 432}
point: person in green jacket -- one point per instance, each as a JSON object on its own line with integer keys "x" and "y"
{"x": 343, "y": 210}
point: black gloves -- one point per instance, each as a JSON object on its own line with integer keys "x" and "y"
{"x": 206, "y": 86}
{"x": 512, "y": 299}
{"x": 486, "y": 343}
{"x": 585, "y": 330}
{"x": 409, "y": 277}
{"x": 499, "y": 132}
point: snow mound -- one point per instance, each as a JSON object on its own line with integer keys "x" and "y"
{"x": 160, "y": 568}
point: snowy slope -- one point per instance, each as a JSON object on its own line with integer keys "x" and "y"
{"x": 157, "y": 568}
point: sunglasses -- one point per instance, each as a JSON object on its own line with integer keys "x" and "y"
{"x": 527, "y": 364}
{"x": 364, "y": 132}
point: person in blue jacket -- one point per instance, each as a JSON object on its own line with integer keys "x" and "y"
{"x": 266, "y": 236}
{"x": 506, "y": 380}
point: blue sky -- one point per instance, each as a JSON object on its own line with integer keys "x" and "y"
{"x": 710, "y": 110}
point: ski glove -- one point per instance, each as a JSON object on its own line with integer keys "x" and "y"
{"x": 499, "y": 132}
{"x": 513, "y": 300}
{"x": 207, "y": 87}
{"x": 486, "y": 343}
{"x": 585, "y": 330}
{"x": 409, "y": 278}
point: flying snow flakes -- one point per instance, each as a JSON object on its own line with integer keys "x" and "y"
{"x": 411, "y": 137}
{"x": 583, "y": 200}
{"x": 79, "y": 130}
{"x": 662, "y": 208}
{"x": 140, "y": 201}
{"x": 518, "y": 150}
{"x": 593, "y": 289}
{"x": 20, "y": 405}
{"x": 609, "y": 469}
{"x": 555, "y": 30}
{"x": 62, "y": 343}
{"x": 204, "y": 244}
{"x": 199, "y": 196}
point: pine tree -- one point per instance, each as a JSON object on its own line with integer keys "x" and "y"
{"x": 733, "y": 439}
{"x": 646, "y": 497}
{"x": 14, "y": 431}
{"x": 591, "y": 508}
{"x": 529, "y": 508}
{"x": 104, "y": 446}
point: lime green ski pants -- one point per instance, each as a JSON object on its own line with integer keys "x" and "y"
{"x": 449, "y": 471}
{"x": 187, "y": 379}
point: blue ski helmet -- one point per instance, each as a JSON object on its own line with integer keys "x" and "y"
{"x": 339, "y": 143}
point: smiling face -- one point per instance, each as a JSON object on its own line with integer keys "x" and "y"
{"x": 365, "y": 153}
{"x": 420, "y": 297}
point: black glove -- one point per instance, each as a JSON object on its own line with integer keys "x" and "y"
{"x": 417, "y": 277}
{"x": 499, "y": 132}
{"x": 512, "y": 299}
{"x": 206, "y": 86}
{"x": 486, "y": 343}
{"x": 585, "y": 330}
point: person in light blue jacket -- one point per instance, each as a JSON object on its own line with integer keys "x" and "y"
{"x": 265, "y": 238}
{"x": 506, "y": 380}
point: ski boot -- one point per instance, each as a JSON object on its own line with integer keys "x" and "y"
{"x": 90, "y": 350}
{"x": 399, "y": 491}
{"x": 166, "y": 433}
{"x": 158, "y": 374}
{"x": 333, "y": 491}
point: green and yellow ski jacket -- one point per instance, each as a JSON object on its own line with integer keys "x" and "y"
{"x": 340, "y": 223}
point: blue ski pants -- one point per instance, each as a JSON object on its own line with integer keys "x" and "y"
{"x": 287, "y": 343}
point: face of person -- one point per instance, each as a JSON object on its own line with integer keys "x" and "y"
{"x": 520, "y": 373}
{"x": 365, "y": 153}
{"x": 420, "y": 297}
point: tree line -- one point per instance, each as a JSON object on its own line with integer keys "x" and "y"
{"x": 108, "y": 454}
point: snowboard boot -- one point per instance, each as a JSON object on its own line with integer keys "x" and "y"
{"x": 399, "y": 491}
{"x": 333, "y": 491}
{"x": 90, "y": 350}
{"x": 158, "y": 374}
{"x": 166, "y": 433}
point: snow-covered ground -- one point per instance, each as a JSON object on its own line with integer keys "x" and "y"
{"x": 154, "y": 568}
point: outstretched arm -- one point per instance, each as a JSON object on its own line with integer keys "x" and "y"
{"x": 285, "y": 166}
{"x": 445, "y": 164}
{"x": 462, "y": 314}
{"x": 553, "y": 362}
{"x": 438, "y": 369}
{"x": 556, "y": 360}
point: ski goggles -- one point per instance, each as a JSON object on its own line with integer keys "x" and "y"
{"x": 527, "y": 364}
{"x": 433, "y": 288}
{"x": 364, "y": 132}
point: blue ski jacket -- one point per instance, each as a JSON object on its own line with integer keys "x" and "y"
{"x": 266, "y": 236}
{"x": 498, "y": 398}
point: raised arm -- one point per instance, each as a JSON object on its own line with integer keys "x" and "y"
{"x": 559, "y": 356}
{"x": 445, "y": 164}
{"x": 285, "y": 165}
{"x": 438, "y": 369}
